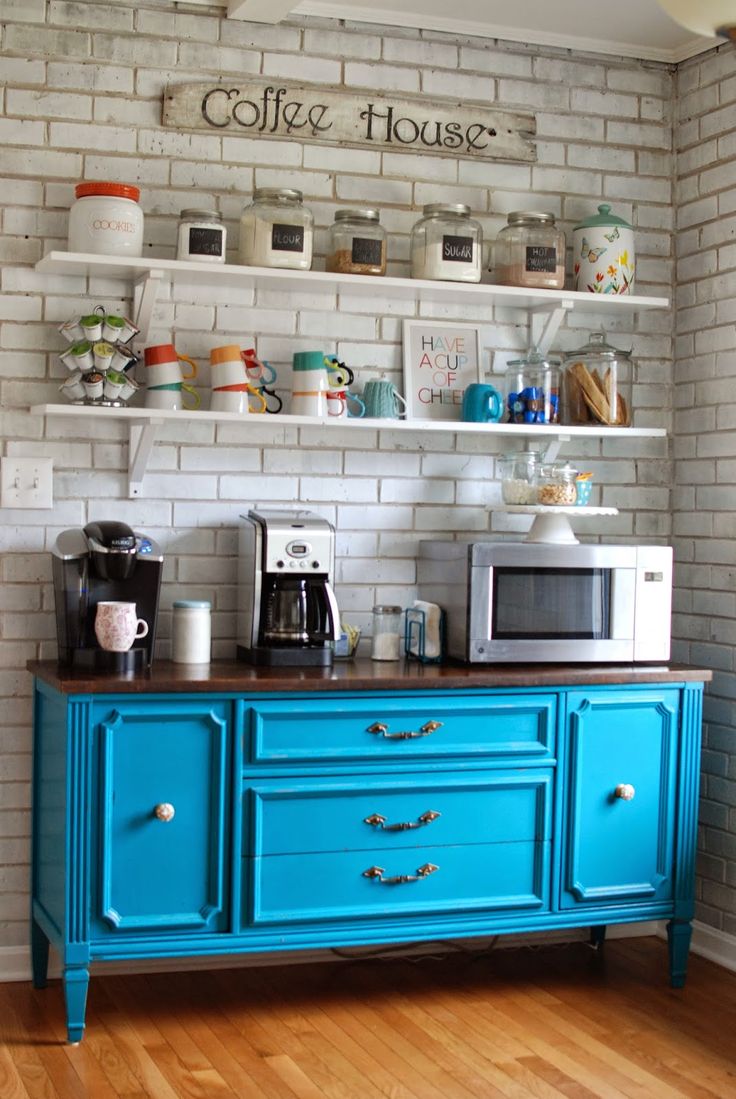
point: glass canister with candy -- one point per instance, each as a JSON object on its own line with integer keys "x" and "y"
{"x": 533, "y": 390}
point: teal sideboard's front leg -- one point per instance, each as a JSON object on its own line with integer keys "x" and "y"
{"x": 76, "y": 983}
{"x": 678, "y": 937}
{"x": 39, "y": 955}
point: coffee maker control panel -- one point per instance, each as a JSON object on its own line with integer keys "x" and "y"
{"x": 284, "y": 553}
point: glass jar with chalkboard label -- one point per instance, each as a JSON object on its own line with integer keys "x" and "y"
{"x": 357, "y": 243}
{"x": 202, "y": 236}
{"x": 530, "y": 251}
{"x": 277, "y": 230}
{"x": 446, "y": 243}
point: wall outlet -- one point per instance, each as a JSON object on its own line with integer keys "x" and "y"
{"x": 26, "y": 482}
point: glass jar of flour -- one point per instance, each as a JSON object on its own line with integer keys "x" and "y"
{"x": 446, "y": 243}
{"x": 106, "y": 219}
{"x": 277, "y": 230}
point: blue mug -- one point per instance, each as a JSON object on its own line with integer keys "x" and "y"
{"x": 482, "y": 404}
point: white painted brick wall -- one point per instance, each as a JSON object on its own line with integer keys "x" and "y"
{"x": 704, "y": 516}
{"x": 83, "y": 96}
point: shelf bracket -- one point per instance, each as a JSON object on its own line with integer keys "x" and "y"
{"x": 146, "y": 292}
{"x": 142, "y": 438}
{"x": 545, "y": 321}
{"x": 553, "y": 448}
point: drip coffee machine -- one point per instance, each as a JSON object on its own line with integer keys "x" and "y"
{"x": 287, "y": 612}
{"x": 104, "y": 562}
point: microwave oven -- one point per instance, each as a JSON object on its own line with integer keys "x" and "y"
{"x": 530, "y": 602}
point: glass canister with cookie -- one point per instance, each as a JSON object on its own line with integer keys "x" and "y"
{"x": 597, "y": 385}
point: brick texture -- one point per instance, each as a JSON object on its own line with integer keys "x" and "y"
{"x": 704, "y": 512}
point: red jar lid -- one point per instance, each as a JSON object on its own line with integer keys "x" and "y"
{"x": 99, "y": 187}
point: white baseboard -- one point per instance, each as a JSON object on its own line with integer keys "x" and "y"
{"x": 715, "y": 945}
{"x": 15, "y": 961}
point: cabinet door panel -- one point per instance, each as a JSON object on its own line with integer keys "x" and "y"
{"x": 619, "y": 849}
{"x": 158, "y": 873}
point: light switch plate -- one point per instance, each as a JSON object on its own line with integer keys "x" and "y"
{"x": 26, "y": 482}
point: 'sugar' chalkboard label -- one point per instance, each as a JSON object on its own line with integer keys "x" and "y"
{"x": 367, "y": 251}
{"x": 541, "y": 259}
{"x": 205, "y": 242}
{"x": 457, "y": 249}
{"x": 287, "y": 238}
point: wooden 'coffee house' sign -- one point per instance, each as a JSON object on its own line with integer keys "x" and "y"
{"x": 347, "y": 118}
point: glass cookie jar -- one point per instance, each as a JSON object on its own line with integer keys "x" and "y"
{"x": 357, "y": 243}
{"x": 530, "y": 251}
{"x": 446, "y": 243}
{"x": 277, "y": 230}
{"x": 597, "y": 384}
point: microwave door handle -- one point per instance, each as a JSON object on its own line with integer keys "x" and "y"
{"x": 333, "y": 612}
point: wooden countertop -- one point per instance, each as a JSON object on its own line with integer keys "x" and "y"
{"x": 362, "y": 675}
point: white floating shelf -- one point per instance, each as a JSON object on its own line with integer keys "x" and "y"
{"x": 332, "y": 423}
{"x": 230, "y": 274}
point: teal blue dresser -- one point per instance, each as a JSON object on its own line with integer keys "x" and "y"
{"x": 230, "y": 810}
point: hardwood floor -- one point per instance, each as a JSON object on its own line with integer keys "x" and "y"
{"x": 543, "y": 1022}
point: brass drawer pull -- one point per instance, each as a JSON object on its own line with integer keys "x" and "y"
{"x": 377, "y": 872}
{"x": 165, "y": 812}
{"x": 382, "y": 730}
{"x": 377, "y": 821}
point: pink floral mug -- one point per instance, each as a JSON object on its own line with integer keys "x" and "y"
{"x": 117, "y": 626}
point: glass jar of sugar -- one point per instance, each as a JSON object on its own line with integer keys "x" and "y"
{"x": 385, "y": 643}
{"x": 446, "y": 243}
{"x": 106, "y": 219}
{"x": 277, "y": 230}
{"x": 201, "y": 237}
{"x": 530, "y": 251}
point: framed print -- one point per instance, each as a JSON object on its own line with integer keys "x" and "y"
{"x": 440, "y": 360}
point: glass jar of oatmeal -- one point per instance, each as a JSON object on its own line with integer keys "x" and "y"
{"x": 530, "y": 251}
{"x": 557, "y": 487}
{"x": 357, "y": 243}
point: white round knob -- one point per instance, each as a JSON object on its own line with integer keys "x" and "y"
{"x": 165, "y": 812}
{"x": 625, "y": 791}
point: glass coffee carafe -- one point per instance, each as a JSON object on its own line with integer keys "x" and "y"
{"x": 297, "y": 611}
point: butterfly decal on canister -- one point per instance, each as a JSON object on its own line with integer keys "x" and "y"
{"x": 603, "y": 250}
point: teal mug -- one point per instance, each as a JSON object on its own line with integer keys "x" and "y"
{"x": 482, "y": 404}
{"x": 382, "y": 400}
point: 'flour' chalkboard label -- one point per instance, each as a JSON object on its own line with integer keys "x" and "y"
{"x": 457, "y": 249}
{"x": 287, "y": 238}
{"x": 541, "y": 259}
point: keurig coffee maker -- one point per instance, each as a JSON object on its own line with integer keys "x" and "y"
{"x": 287, "y": 612}
{"x": 105, "y": 561}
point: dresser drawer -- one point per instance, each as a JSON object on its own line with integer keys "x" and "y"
{"x": 319, "y": 730}
{"x": 391, "y": 814}
{"x": 433, "y": 881}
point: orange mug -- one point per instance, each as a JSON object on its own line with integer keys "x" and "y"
{"x": 163, "y": 365}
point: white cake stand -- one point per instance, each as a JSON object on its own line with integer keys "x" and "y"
{"x": 551, "y": 524}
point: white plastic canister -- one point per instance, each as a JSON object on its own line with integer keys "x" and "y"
{"x": 106, "y": 220}
{"x": 191, "y": 632}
